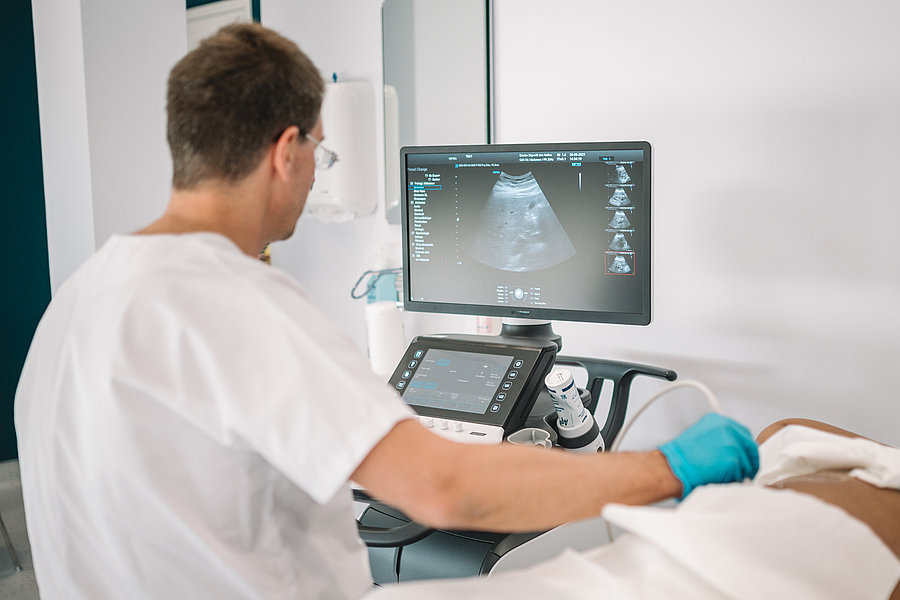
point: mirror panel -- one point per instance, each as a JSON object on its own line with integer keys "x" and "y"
{"x": 435, "y": 80}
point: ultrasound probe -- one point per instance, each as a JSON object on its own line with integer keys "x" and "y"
{"x": 578, "y": 431}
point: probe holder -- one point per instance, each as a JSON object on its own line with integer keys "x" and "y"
{"x": 621, "y": 374}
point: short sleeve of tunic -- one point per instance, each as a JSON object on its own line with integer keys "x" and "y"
{"x": 259, "y": 366}
{"x": 299, "y": 392}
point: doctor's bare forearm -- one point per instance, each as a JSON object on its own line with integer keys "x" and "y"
{"x": 527, "y": 489}
{"x": 505, "y": 487}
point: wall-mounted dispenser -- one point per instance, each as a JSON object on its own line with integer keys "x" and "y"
{"x": 350, "y": 188}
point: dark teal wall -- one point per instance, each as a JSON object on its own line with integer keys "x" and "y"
{"x": 24, "y": 269}
{"x": 254, "y": 6}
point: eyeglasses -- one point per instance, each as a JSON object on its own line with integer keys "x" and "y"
{"x": 324, "y": 157}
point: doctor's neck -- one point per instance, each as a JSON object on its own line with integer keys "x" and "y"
{"x": 235, "y": 210}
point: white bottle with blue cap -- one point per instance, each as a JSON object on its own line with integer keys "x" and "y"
{"x": 577, "y": 429}
{"x": 384, "y": 317}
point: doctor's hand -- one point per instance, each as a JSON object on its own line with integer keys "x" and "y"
{"x": 716, "y": 449}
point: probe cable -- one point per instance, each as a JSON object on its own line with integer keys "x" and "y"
{"x": 692, "y": 383}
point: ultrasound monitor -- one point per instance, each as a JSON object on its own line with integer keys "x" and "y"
{"x": 534, "y": 231}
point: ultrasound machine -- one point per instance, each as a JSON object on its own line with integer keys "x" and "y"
{"x": 531, "y": 233}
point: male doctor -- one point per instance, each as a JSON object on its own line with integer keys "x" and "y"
{"x": 188, "y": 422}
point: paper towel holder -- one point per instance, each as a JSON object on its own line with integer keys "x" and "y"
{"x": 348, "y": 189}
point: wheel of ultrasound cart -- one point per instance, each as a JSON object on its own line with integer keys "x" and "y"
{"x": 389, "y": 537}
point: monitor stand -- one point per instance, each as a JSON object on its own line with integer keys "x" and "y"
{"x": 530, "y": 329}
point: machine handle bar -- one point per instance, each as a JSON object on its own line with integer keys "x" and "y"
{"x": 389, "y": 537}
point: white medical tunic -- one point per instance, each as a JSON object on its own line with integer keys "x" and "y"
{"x": 187, "y": 424}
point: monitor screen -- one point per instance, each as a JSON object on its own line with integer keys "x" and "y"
{"x": 541, "y": 231}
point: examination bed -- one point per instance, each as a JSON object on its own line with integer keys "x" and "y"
{"x": 805, "y": 528}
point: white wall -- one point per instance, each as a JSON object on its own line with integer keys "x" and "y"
{"x": 101, "y": 71}
{"x": 58, "y": 50}
{"x": 776, "y": 135}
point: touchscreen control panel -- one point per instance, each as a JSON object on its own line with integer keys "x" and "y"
{"x": 473, "y": 388}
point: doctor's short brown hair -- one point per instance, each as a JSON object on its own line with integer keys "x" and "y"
{"x": 229, "y": 98}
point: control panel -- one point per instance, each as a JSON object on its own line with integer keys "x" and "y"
{"x": 473, "y": 388}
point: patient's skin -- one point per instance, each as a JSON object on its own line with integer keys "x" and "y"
{"x": 777, "y": 425}
{"x": 876, "y": 507}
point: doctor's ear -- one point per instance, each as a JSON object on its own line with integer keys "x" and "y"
{"x": 286, "y": 150}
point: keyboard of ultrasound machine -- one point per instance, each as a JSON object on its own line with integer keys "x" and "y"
{"x": 463, "y": 431}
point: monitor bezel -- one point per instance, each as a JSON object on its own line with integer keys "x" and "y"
{"x": 539, "y": 313}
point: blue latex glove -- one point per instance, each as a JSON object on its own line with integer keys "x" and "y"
{"x": 716, "y": 449}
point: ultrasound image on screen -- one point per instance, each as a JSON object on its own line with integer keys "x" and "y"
{"x": 460, "y": 381}
{"x": 619, "y": 264}
{"x": 619, "y": 197}
{"x": 528, "y": 229}
{"x": 620, "y": 221}
{"x": 619, "y": 174}
{"x": 620, "y": 242}
{"x": 517, "y": 230}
